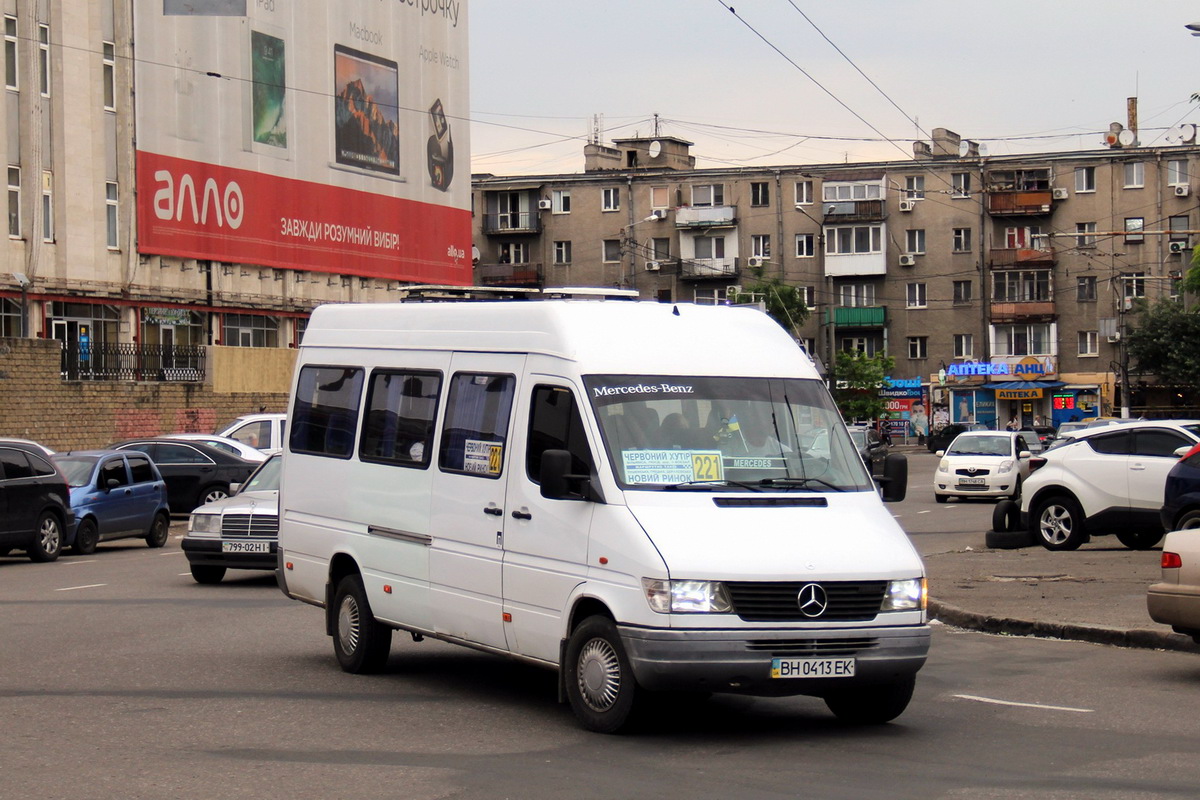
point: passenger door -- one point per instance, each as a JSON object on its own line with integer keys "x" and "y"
{"x": 1153, "y": 456}
{"x": 1100, "y": 470}
{"x": 11, "y": 522}
{"x": 147, "y": 492}
{"x": 116, "y": 506}
{"x": 468, "y": 516}
{"x": 545, "y": 541}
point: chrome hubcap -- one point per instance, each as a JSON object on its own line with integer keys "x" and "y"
{"x": 348, "y": 624}
{"x": 1056, "y": 524}
{"x": 49, "y": 535}
{"x": 599, "y": 675}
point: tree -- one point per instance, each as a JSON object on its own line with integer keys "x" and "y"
{"x": 784, "y": 304}
{"x": 1166, "y": 342}
{"x": 859, "y": 379}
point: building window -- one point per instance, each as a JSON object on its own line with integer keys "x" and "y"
{"x": 1178, "y": 225}
{"x": 10, "y": 53}
{"x": 808, "y": 295}
{"x": 610, "y": 199}
{"x": 918, "y": 347}
{"x": 760, "y": 245}
{"x": 857, "y": 295}
{"x": 960, "y": 184}
{"x": 10, "y": 318}
{"x": 1085, "y": 240}
{"x": 47, "y": 206}
{"x": 14, "y": 202}
{"x": 662, "y": 248}
{"x": 44, "y": 59}
{"x": 250, "y": 330}
{"x": 562, "y": 252}
{"x": 1135, "y": 174}
{"x": 1085, "y": 289}
{"x": 962, "y": 293}
{"x": 611, "y": 250}
{"x": 1024, "y": 340}
{"x": 660, "y": 198}
{"x": 710, "y": 297}
{"x": 844, "y": 192}
{"x": 964, "y": 345}
{"x": 916, "y": 296}
{"x": 1089, "y": 343}
{"x": 110, "y": 213}
{"x": 760, "y": 194}
{"x": 915, "y": 240}
{"x": 708, "y": 247}
{"x": 514, "y": 253}
{"x": 1021, "y": 287}
{"x": 1177, "y": 172}
{"x": 962, "y": 240}
{"x": 708, "y": 194}
{"x": 804, "y": 193}
{"x": 855, "y": 239}
{"x": 914, "y": 187}
{"x": 866, "y": 345}
{"x": 1134, "y": 284}
{"x": 1135, "y": 226}
{"x": 560, "y": 201}
{"x": 110, "y": 76}
{"x": 1085, "y": 179}
{"x": 805, "y": 245}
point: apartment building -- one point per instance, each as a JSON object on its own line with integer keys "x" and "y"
{"x": 1000, "y": 285}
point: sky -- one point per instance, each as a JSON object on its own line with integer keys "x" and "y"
{"x": 1019, "y": 76}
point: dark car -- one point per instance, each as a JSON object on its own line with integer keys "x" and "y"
{"x": 871, "y": 446}
{"x": 35, "y": 506}
{"x": 195, "y": 473}
{"x": 941, "y": 438}
{"x": 1046, "y": 434}
{"x": 114, "y": 495}
{"x": 1181, "y": 494}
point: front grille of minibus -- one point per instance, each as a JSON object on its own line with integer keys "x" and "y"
{"x": 777, "y": 601}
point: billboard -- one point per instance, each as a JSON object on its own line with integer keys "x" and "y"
{"x": 306, "y": 134}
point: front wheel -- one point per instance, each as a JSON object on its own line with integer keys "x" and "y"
{"x": 359, "y": 641}
{"x": 47, "y": 538}
{"x": 1139, "y": 540}
{"x": 207, "y": 573}
{"x": 599, "y": 680}
{"x": 1188, "y": 521}
{"x": 941, "y": 498}
{"x": 87, "y": 536}
{"x": 157, "y": 535}
{"x": 872, "y": 705}
{"x": 1058, "y": 522}
{"x": 1016, "y": 492}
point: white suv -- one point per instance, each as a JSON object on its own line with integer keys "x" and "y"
{"x": 1105, "y": 480}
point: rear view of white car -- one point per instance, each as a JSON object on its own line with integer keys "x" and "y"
{"x": 982, "y": 464}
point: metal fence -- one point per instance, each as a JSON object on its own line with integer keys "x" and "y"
{"x": 123, "y": 361}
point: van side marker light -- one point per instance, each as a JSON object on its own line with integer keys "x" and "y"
{"x": 387, "y": 589}
{"x": 289, "y": 565}
{"x": 603, "y": 560}
{"x": 507, "y": 617}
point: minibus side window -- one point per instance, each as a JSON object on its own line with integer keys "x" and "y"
{"x": 476, "y": 430}
{"x": 555, "y": 424}
{"x": 398, "y": 422}
{"x": 325, "y": 416}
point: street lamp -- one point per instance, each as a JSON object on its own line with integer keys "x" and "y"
{"x": 23, "y": 281}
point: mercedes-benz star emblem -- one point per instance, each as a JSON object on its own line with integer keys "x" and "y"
{"x": 812, "y": 600}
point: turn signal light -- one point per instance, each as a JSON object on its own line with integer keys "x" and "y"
{"x": 1171, "y": 560}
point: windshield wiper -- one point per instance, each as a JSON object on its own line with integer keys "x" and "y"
{"x": 798, "y": 483}
{"x": 688, "y": 486}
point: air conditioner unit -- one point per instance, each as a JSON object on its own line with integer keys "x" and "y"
{"x": 907, "y": 205}
{"x": 1128, "y": 304}
{"x": 755, "y": 261}
{"x": 1114, "y": 338}
{"x": 1183, "y": 190}
{"x": 652, "y": 266}
{"x": 908, "y": 260}
{"x": 1178, "y": 247}
{"x": 1060, "y": 194}
{"x": 544, "y": 205}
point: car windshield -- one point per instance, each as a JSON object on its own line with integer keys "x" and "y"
{"x": 710, "y": 433}
{"x": 859, "y": 437}
{"x": 266, "y": 477}
{"x": 78, "y": 469}
{"x": 997, "y": 445}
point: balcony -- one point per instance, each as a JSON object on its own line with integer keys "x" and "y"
{"x": 698, "y": 269}
{"x": 1018, "y": 204}
{"x": 837, "y": 213}
{"x": 124, "y": 361}
{"x": 1013, "y": 257}
{"x": 516, "y": 275}
{"x": 512, "y": 222}
{"x": 859, "y": 316}
{"x": 1029, "y": 311}
{"x": 705, "y": 216}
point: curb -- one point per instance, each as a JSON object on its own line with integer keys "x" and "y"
{"x": 1095, "y": 634}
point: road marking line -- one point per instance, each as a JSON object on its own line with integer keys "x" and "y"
{"x": 1022, "y": 705}
{"x": 86, "y": 561}
{"x": 924, "y": 512}
{"x": 89, "y": 586}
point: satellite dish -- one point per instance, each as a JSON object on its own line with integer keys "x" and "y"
{"x": 1127, "y": 138}
{"x": 964, "y": 147}
{"x": 1187, "y": 133}
{"x": 655, "y": 149}
{"x": 982, "y": 149}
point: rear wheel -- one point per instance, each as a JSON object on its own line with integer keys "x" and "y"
{"x": 87, "y": 536}
{"x": 359, "y": 641}
{"x": 47, "y": 538}
{"x": 212, "y": 493}
{"x": 1058, "y": 522}
{"x": 157, "y": 535}
{"x": 599, "y": 679}
{"x": 207, "y": 573}
{"x": 871, "y": 705}
{"x": 1188, "y": 521}
{"x": 1139, "y": 540}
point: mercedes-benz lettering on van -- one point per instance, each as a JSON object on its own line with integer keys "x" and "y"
{"x": 645, "y": 496}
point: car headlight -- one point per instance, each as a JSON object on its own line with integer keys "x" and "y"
{"x": 1005, "y": 467}
{"x": 687, "y": 597}
{"x": 906, "y": 595}
{"x": 943, "y": 466}
{"x": 204, "y": 524}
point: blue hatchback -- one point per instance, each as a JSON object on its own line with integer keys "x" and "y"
{"x": 115, "y": 495}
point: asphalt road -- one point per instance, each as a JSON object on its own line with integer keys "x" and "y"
{"x": 121, "y": 677}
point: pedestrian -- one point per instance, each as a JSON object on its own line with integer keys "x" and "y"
{"x": 1013, "y": 425}
{"x": 1037, "y": 420}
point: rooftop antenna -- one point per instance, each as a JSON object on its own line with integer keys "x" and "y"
{"x": 656, "y": 128}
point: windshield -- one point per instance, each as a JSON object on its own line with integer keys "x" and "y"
{"x": 266, "y": 477}
{"x": 859, "y": 437}
{"x": 77, "y": 469}
{"x": 998, "y": 445}
{"x": 670, "y": 432}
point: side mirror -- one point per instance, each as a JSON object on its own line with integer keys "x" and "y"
{"x": 234, "y": 488}
{"x": 559, "y": 484}
{"x": 940, "y": 453}
{"x": 1180, "y": 452}
{"x": 111, "y": 484}
{"x": 894, "y": 480}
{"x": 1025, "y": 454}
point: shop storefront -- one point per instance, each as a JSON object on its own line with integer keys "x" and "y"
{"x": 906, "y": 408}
{"x": 1023, "y": 389}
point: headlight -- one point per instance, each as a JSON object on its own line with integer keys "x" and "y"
{"x": 1005, "y": 467}
{"x": 908, "y": 595}
{"x": 687, "y": 597}
{"x": 204, "y": 524}
{"x": 943, "y": 466}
